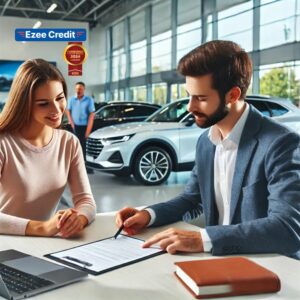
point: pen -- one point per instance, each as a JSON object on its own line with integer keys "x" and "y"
{"x": 119, "y": 231}
{"x": 78, "y": 261}
{"x": 122, "y": 227}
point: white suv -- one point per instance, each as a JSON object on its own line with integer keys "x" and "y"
{"x": 166, "y": 141}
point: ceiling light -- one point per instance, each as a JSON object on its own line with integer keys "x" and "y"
{"x": 37, "y": 24}
{"x": 51, "y": 8}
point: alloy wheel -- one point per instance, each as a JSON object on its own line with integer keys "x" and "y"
{"x": 154, "y": 166}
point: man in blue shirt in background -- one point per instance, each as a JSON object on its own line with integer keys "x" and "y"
{"x": 80, "y": 112}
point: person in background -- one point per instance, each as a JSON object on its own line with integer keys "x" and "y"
{"x": 37, "y": 160}
{"x": 81, "y": 112}
{"x": 246, "y": 178}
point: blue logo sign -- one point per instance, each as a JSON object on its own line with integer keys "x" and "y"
{"x": 50, "y": 35}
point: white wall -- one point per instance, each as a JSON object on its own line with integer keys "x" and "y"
{"x": 51, "y": 51}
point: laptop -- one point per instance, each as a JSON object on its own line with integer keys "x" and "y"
{"x": 23, "y": 275}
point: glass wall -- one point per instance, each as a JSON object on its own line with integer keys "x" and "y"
{"x": 188, "y": 26}
{"x": 138, "y": 93}
{"x": 121, "y": 94}
{"x": 115, "y": 95}
{"x": 101, "y": 97}
{"x": 118, "y": 52}
{"x": 298, "y": 20}
{"x": 277, "y": 22}
{"x": 161, "y": 52}
{"x": 209, "y": 26}
{"x": 188, "y": 37}
{"x": 138, "y": 50}
{"x": 118, "y": 64}
{"x": 195, "y": 21}
{"x": 138, "y": 53}
{"x": 250, "y": 88}
{"x": 161, "y": 36}
{"x": 236, "y": 23}
{"x": 159, "y": 93}
{"x": 281, "y": 80}
{"x": 178, "y": 91}
{"x": 174, "y": 92}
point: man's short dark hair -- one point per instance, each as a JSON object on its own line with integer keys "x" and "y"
{"x": 228, "y": 63}
{"x": 81, "y": 83}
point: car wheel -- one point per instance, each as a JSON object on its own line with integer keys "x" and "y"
{"x": 152, "y": 166}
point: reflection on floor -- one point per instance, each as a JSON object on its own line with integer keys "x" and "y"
{"x": 112, "y": 193}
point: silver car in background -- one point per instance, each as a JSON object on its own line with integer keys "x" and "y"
{"x": 166, "y": 141}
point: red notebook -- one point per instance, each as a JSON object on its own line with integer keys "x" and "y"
{"x": 210, "y": 278}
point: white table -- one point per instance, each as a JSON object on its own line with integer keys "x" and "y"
{"x": 150, "y": 279}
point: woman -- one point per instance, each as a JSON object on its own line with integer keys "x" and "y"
{"x": 37, "y": 160}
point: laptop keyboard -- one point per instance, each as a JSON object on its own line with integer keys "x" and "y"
{"x": 21, "y": 282}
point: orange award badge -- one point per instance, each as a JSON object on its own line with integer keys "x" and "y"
{"x": 75, "y": 55}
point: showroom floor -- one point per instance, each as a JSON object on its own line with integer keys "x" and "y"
{"x": 112, "y": 193}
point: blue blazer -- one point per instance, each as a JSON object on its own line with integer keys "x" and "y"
{"x": 265, "y": 201}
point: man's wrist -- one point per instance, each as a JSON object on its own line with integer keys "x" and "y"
{"x": 147, "y": 216}
{"x": 152, "y": 215}
{"x": 201, "y": 246}
{"x": 206, "y": 241}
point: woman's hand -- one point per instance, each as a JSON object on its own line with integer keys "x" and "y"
{"x": 70, "y": 223}
{"x": 44, "y": 228}
{"x": 66, "y": 222}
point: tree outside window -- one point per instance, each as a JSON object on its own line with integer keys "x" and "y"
{"x": 281, "y": 82}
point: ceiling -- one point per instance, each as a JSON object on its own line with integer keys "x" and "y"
{"x": 91, "y": 11}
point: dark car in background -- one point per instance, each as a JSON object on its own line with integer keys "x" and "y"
{"x": 120, "y": 112}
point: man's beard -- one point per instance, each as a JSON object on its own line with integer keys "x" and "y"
{"x": 220, "y": 113}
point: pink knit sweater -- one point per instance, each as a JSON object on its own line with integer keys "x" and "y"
{"x": 32, "y": 180}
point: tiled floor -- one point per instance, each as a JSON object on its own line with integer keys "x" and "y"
{"x": 112, "y": 193}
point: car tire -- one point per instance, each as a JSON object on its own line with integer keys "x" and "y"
{"x": 152, "y": 166}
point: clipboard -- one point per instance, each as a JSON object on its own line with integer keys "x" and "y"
{"x": 105, "y": 255}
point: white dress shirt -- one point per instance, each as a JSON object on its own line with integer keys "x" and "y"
{"x": 224, "y": 165}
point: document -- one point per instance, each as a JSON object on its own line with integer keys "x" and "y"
{"x": 105, "y": 255}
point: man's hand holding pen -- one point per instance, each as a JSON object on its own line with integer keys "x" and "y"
{"x": 171, "y": 240}
{"x": 132, "y": 220}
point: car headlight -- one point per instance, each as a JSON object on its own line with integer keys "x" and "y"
{"x": 116, "y": 140}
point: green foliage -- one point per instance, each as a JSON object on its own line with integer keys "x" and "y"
{"x": 281, "y": 82}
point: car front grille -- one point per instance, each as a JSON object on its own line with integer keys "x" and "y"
{"x": 93, "y": 147}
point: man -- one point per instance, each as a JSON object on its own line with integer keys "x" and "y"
{"x": 80, "y": 112}
{"x": 246, "y": 178}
